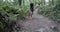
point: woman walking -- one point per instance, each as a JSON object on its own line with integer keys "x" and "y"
{"x": 31, "y": 10}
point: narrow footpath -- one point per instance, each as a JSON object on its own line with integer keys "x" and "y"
{"x": 39, "y": 23}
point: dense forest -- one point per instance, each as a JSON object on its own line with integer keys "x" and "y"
{"x": 11, "y": 10}
{"x": 51, "y": 10}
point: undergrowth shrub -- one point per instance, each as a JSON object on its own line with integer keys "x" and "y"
{"x": 51, "y": 11}
{"x": 9, "y": 14}
{"x": 1, "y": 27}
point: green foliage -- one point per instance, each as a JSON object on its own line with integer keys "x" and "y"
{"x": 1, "y": 27}
{"x": 37, "y": 1}
{"x": 10, "y": 12}
{"x": 57, "y": 1}
{"x": 23, "y": 11}
{"x": 51, "y": 11}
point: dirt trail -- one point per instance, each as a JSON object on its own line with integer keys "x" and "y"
{"x": 37, "y": 22}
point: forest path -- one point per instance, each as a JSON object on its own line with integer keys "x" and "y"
{"x": 38, "y": 23}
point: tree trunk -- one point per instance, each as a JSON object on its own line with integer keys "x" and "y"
{"x": 52, "y": 2}
{"x": 20, "y": 1}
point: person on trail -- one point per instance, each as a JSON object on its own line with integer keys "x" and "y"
{"x": 31, "y": 9}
